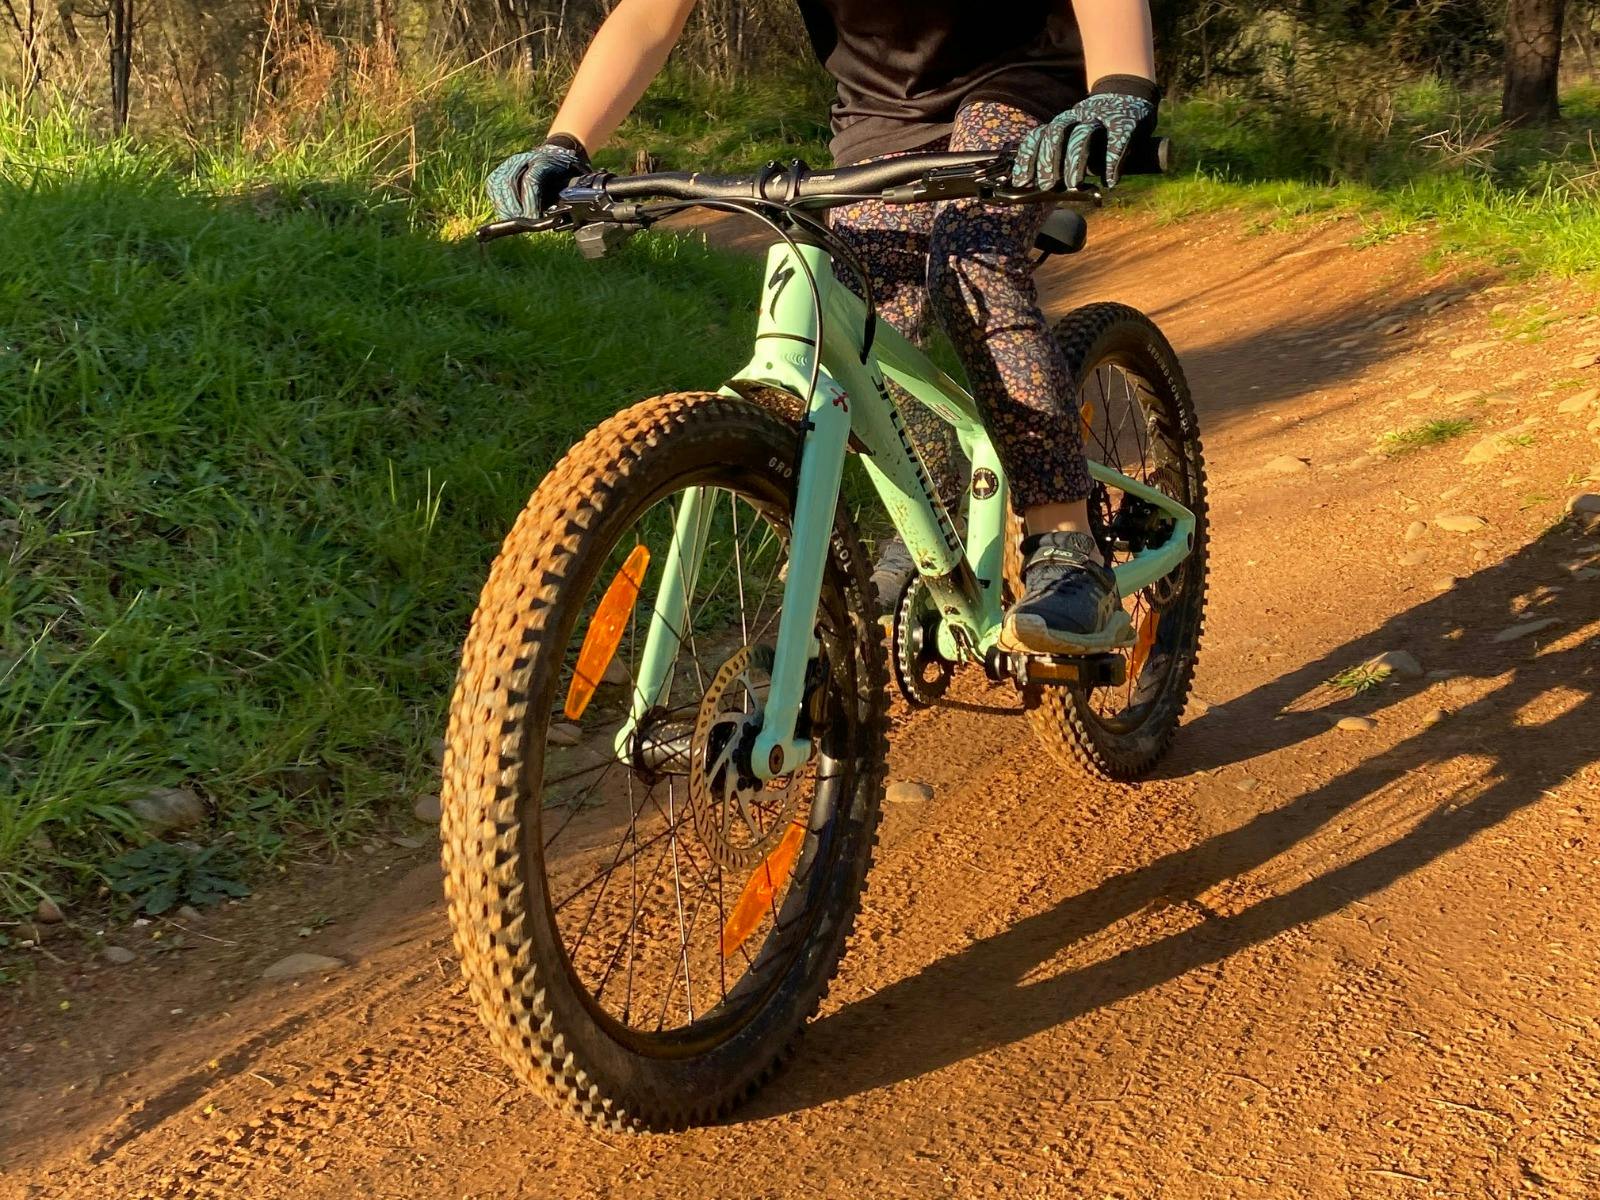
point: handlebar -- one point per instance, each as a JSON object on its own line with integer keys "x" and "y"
{"x": 603, "y": 198}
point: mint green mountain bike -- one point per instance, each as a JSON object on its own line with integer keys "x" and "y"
{"x": 666, "y": 745}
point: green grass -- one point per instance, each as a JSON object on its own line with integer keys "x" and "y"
{"x": 1527, "y": 199}
{"x": 267, "y": 416}
{"x": 1356, "y": 680}
{"x": 1429, "y": 433}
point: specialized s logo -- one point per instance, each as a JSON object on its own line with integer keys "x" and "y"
{"x": 775, "y": 285}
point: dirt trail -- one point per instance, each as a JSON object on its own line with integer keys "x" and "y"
{"x": 1302, "y": 961}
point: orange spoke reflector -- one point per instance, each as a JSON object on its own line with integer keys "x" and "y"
{"x": 605, "y": 631}
{"x": 764, "y": 883}
{"x": 1086, "y": 415}
{"x": 1145, "y": 639}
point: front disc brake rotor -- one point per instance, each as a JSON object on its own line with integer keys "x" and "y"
{"x": 738, "y": 817}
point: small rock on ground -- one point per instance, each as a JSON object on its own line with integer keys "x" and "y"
{"x": 563, "y": 734}
{"x": 1459, "y": 522}
{"x": 1514, "y": 633}
{"x": 1412, "y": 558}
{"x": 1471, "y": 349}
{"x": 1587, "y": 359}
{"x": 1496, "y": 444}
{"x": 1579, "y": 401}
{"x": 119, "y": 956}
{"x": 1287, "y": 464}
{"x": 301, "y": 964}
{"x": 908, "y": 792}
{"x": 1246, "y": 783}
{"x": 616, "y": 674}
{"x": 1356, "y": 724}
{"x": 48, "y": 912}
{"x": 1445, "y": 583}
{"x": 427, "y": 809}
{"x": 1415, "y": 530}
{"x": 163, "y": 810}
{"x": 1584, "y": 504}
{"x": 1434, "y": 715}
{"x": 187, "y": 912}
{"x": 1396, "y": 662}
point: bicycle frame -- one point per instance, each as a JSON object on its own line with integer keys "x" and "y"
{"x": 851, "y": 401}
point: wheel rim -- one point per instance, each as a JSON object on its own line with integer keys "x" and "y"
{"x": 1120, "y": 420}
{"x": 638, "y": 895}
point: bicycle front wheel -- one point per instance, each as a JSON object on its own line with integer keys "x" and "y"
{"x": 644, "y": 925}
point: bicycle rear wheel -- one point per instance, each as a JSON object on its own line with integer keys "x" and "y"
{"x": 1138, "y": 418}
{"x": 645, "y": 929}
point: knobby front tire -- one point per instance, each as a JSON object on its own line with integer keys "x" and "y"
{"x": 695, "y": 1028}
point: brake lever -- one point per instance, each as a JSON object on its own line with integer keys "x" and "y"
{"x": 509, "y": 226}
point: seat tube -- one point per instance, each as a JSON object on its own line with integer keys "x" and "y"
{"x": 986, "y": 532}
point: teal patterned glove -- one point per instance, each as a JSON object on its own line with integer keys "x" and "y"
{"x": 527, "y": 184}
{"x": 1057, "y": 154}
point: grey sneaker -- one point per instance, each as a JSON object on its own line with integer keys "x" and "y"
{"x": 1069, "y": 604}
{"x": 892, "y": 573}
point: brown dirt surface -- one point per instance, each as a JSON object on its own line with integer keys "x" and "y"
{"x": 1299, "y": 961}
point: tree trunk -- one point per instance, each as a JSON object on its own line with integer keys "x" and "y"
{"x": 385, "y": 33}
{"x": 119, "y": 37}
{"x": 1533, "y": 61}
{"x": 26, "y": 26}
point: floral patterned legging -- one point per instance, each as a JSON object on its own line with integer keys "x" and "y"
{"x": 968, "y": 261}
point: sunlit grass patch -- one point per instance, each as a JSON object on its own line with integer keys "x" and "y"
{"x": 1430, "y": 433}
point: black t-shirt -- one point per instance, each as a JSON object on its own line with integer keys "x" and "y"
{"x": 905, "y": 66}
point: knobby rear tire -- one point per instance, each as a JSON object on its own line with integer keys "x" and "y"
{"x": 1064, "y": 719}
{"x": 511, "y": 951}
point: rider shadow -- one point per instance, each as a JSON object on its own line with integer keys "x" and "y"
{"x": 988, "y": 995}
{"x": 1454, "y": 630}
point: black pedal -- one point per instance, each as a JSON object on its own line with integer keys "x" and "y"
{"x": 1076, "y": 670}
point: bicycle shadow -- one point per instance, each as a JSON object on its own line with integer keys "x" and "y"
{"x": 975, "y": 1000}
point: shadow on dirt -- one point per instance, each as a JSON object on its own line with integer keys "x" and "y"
{"x": 974, "y": 1000}
{"x": 1247, "y": 352}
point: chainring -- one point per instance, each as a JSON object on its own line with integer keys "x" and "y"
{"x": 737, "y": 817}
{"x": 916, "y": 635}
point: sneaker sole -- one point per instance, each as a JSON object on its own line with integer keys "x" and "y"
{"x": 1030, "y": 635}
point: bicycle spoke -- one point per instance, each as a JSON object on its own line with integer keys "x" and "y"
{"x": 683, "y": 937}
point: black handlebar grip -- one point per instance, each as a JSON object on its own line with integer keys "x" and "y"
{"x": 1147, "y": 156}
